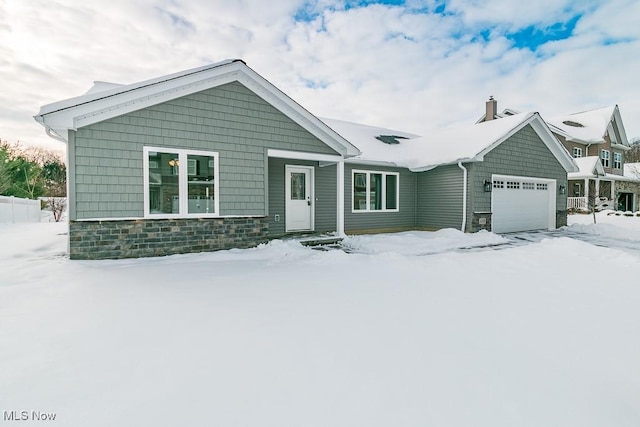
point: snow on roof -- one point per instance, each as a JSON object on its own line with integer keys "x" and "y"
{"x": 589, "y": 167}
{"x": 99, "y": 86}
{"x": 464, "y": 143}
{"x": 101, "y": 90}
{"x": 587, "y": 126}
{"x": 449, "y": 146}
{"x": 632, "y": 170}
{"x": 374, "y": 150}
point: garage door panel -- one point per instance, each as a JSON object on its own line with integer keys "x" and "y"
{"x": 520, "y": 204}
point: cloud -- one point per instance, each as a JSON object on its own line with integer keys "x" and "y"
{"x": 417, "y": 66}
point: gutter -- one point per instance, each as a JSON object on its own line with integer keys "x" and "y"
{"x": 52, "y": 134}
{"x": 464, "y": 196}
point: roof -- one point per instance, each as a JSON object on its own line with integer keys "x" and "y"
{"x": 450, "y": 146}
{"x": 107, "y": 100}
{"x": 632, "y": 170}
{"x": 589, "y": 167}
{"x": 590, "y": 127}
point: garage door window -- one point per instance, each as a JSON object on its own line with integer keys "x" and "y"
{"x": 498, "y": 184}
{"x": 515, "y": 185}
{"x": 528, "y": 186}
{"x": 541, "y": 187}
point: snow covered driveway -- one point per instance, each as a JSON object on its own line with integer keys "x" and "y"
{"x": 283, "y": 335}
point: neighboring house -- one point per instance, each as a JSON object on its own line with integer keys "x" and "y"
{"x": 599, "y": 136}
{"x": 217, "y": 157}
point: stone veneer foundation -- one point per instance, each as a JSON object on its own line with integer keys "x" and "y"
{"x": 157, "y": 237}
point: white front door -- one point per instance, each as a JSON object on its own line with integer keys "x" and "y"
{"x": 299, "y": 198}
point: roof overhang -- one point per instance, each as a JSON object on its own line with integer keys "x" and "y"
{"x": 60, "y": 117}
{"x": 539, "y": 126}
{"x": 547, "y": 137}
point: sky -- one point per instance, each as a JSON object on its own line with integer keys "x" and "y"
{"x": 412, "y": 65}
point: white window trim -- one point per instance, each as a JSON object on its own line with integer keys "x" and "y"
{"x": 368, "y": 191}
{"x": 617, "y": 160}
{"x": 577, "y": 152}
{"x": 605, "y": 158}
{"x": 183, "y": 182}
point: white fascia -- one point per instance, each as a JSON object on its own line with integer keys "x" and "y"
{"x": 373, "y": 163}
{"x": 300, "y": 155}
{"x": 126, "y": 101}
{"x": 296, "y": 112}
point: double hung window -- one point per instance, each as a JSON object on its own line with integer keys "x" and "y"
{"x": 617, "y": 160}
{"x": 604, "y": 158}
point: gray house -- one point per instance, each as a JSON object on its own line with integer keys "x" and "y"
{"x": 217, "y": 157}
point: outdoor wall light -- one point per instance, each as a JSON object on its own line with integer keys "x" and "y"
{"x": 487, "y": 186}
{"x": 562, "y": 189}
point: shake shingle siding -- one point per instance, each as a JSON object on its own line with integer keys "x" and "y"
{"x": 440, "y": 198}
{"x": 228, "y": 119}
{"x": 523, "y": 154}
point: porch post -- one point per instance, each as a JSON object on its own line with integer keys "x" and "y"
{"x": 613, "y": 190}
{"x": 597, "y": 188}
{"x": 586, "y": 193}
{"x": 340, "y": 198}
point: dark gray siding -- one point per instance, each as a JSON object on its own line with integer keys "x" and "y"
{"x": 229, "y": 119}
{"x": 440, "y": 198}
{"x": 524, "y": 154}
{"x": 324, "y": 192}
{"x": 405, "y": 218}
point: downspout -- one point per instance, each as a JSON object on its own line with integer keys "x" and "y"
{"x": 464, "y": 196}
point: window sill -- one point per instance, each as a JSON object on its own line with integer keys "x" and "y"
{"x": 375, "y": 211}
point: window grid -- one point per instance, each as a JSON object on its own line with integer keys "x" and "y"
{"x": 577, "y": 152}
{"x": 604, "y": 158}
{"x": 617, "y": 161}
{"x": 515, "y": 185}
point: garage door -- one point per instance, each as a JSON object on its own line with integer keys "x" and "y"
{"x": 522, "y": 203}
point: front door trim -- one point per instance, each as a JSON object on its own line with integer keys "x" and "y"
{"x": 290, "y": 224}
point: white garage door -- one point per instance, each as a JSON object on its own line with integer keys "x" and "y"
{"x": 522, "y": 203}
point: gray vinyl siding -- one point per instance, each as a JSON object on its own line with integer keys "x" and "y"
{"x": 324, "y": 193}
{"x": 440, "y": 198}
{"x": 523, "y": 154}
{"x": 228, "y": 119}
{"x": 371, "y": 221}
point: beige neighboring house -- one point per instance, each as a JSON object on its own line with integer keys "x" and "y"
{"x": 597, "y": 141}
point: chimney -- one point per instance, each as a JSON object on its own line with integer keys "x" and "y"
{"x": 492, "y": 109}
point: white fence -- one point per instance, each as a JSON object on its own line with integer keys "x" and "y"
{"x": 579, "y": 203}
{"x": 14, "y": 209}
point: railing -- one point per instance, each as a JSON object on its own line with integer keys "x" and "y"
{"x": 14, "y": 209}
{"x": 578, "y": 203}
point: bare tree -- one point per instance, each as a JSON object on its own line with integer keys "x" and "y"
{"x": 56, "y": 206}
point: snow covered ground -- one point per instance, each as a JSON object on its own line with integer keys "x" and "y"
{"x": 283, "y": 335}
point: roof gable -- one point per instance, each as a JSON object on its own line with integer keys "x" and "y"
{"x": 105, "y": 101}
{"x": 591, "y": 127}
{"x": 589, "y": 166}
{"x": 450, "y": 146}
{"x": 472, "y": 143}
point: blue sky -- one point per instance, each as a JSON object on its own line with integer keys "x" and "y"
{"x": 413, "y": 65}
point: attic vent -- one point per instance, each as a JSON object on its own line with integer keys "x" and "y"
{"x": 390, "y": 139}
{"x": 574, "y": 124}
